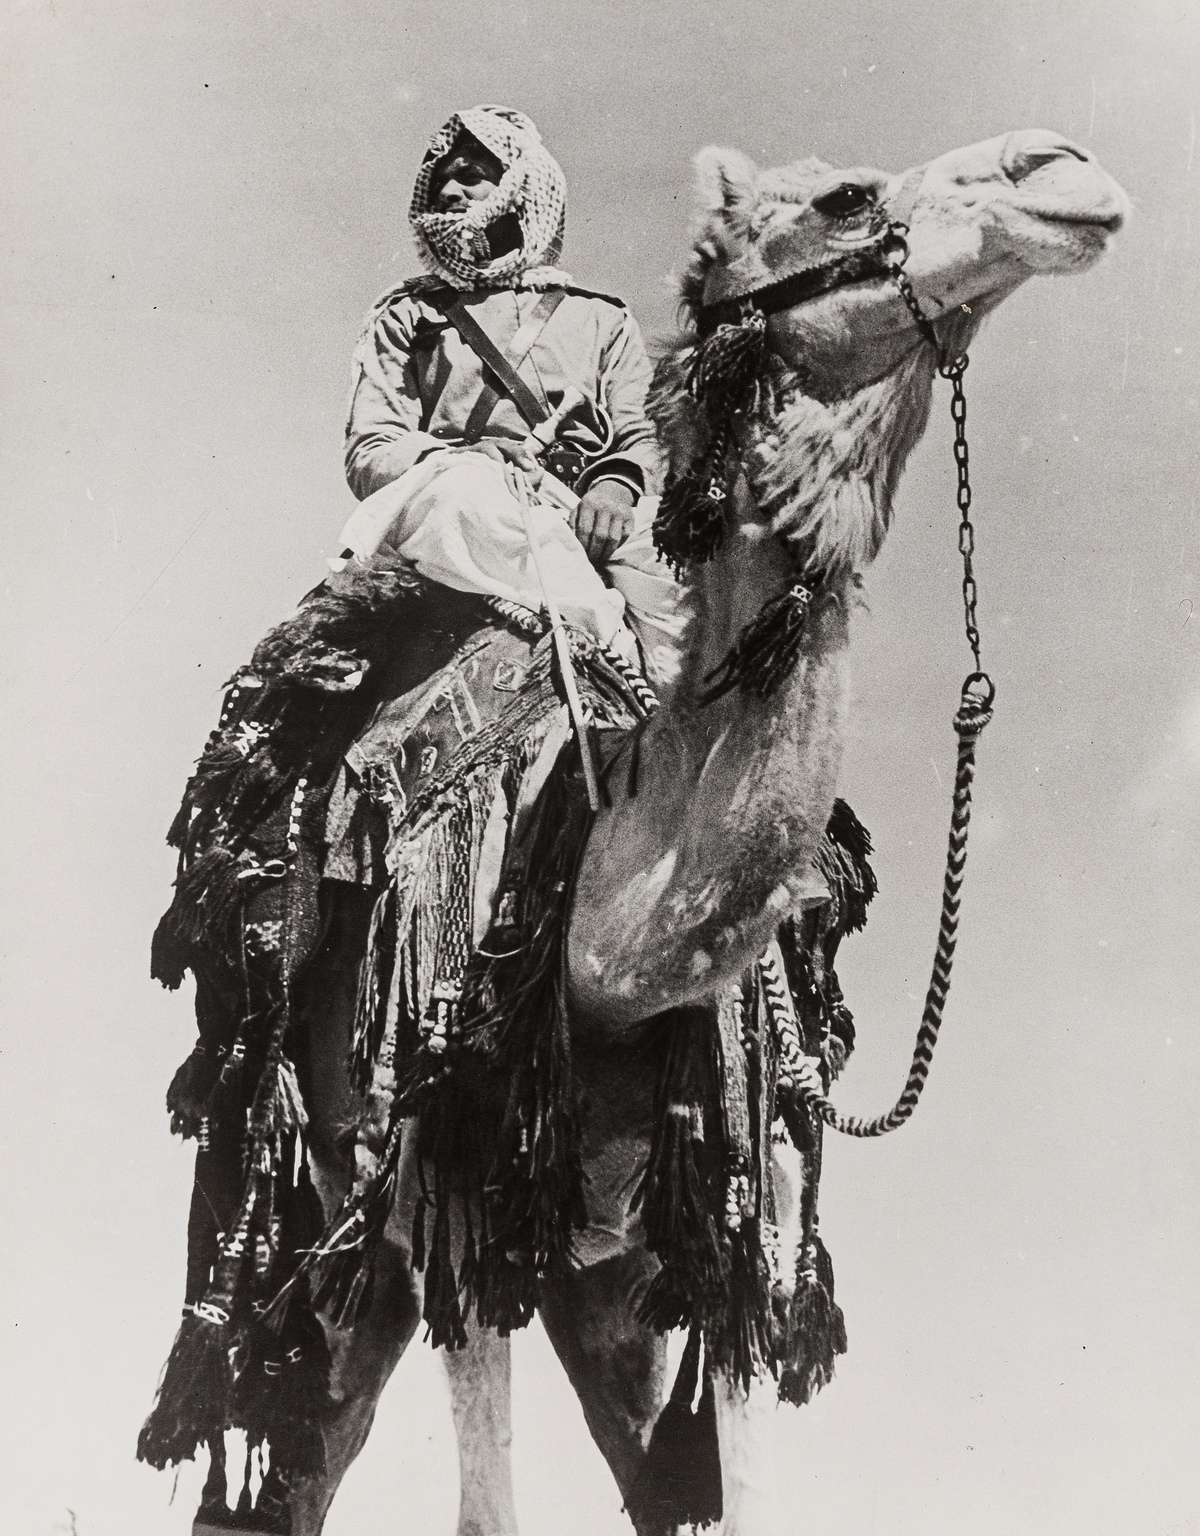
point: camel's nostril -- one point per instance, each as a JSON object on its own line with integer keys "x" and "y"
{"x": 1026, "y": 154}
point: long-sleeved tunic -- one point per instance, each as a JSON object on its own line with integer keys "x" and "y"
{"x": 417, "y": 385}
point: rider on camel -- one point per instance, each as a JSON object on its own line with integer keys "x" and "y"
{"x": 434, "y": 435}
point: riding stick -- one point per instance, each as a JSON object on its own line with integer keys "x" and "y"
{"x": 562, "y": 649}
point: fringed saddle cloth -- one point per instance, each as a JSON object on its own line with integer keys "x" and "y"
{"x": 410, "y": 744}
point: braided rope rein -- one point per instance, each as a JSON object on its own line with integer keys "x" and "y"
{"x": 801, "y": 1073}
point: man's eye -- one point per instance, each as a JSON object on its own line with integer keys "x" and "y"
{"x": 843, "y": 201}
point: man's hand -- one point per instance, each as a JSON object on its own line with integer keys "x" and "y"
{"x": 603, "y": 519}
{"x": 506, "y": 452}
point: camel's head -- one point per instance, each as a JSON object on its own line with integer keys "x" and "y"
{"x": 793, "y": 279}
{"x": 981, "y": 220}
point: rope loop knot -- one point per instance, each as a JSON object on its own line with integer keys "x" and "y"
{"x": 975, "y": 707}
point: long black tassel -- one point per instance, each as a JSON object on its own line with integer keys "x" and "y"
{"x": 534, "y": 1202}
{"x": 375, "y": 977}
{"x": 192, "y": 1405}
{"x": 189, "y": 1092}
{"x": 726, "y": 375}
{"x": 689, "y": 526}
{"x": 816, "y": 1328}
{"x": 282, "y": 1391}
{"x": 459, "y": 1124}
{"x": 442, "y": 1310}
{"x": 680, "y": 1480}
{"x": 341, "y": 1268}
{"x": 741, "y": 1330}
{"x": 678, "y": 1194}
{"x": 207, "y": 896}
{"x": 195, "y": 1398}
{"x": 727, "y": 380}
{"x": 848, "y": 868}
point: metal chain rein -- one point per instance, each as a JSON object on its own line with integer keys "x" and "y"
{"x": 974, "y": 712}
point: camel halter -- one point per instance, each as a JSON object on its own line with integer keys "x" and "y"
{"x": 726, "y": 379}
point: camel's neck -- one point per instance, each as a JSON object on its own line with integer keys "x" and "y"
{"x": 689, "y": 872}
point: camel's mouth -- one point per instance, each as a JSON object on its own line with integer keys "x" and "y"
{"x": 1046, "y": 236}
{"x": 1112, "y": 223}
{"x": 1057, "y": 182}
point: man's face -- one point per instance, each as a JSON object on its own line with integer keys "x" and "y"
{"x": 468, "y": 174}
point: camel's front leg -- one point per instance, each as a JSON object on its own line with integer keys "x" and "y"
{"x": 746, "y": 1424}
{"x": 744, "y": 1432}
{"x": 615, "y": 1364}
{"x": 481, "y": 1400}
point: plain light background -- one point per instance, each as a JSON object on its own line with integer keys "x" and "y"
{"x": 202, "y": 199}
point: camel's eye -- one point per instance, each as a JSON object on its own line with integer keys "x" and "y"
{"x": 843, "y": 201}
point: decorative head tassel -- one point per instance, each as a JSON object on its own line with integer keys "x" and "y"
{"x": 725, "y": 379}
{"x": 689, "y": 527}
{"x": 767, "y": 648}
{"x": 726, "y": 374}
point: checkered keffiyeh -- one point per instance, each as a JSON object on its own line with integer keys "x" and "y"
{"x": 453, "y": 246}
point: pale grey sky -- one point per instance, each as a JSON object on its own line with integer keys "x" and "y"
{"x": 203, "y": 198}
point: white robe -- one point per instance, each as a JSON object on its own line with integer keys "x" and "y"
{"x": 454, "y": 516}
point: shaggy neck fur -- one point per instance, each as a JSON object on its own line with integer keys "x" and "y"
{"x": 824, "y": 471}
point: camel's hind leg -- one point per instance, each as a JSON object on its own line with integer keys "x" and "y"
{"x": 615, "y": 1364}
{"x": 365, "y": 1357}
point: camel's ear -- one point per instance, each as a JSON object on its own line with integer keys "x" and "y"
{"x": 725, "y": 181}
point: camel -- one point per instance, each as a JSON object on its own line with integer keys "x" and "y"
{"x": 693, "y": 862}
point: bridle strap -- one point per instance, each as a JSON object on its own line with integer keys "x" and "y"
{"x": 854, "y": 267}
{"x": 873, "y": 260}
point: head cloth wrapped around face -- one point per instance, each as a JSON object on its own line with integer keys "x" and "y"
{"x": 454, "y": 246}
